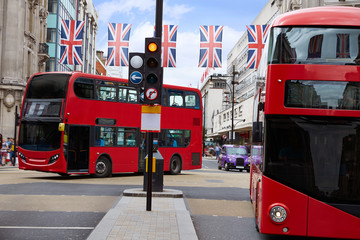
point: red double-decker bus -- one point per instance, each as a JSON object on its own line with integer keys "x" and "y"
{"x": 76, "y": 123}
{"x": 307, "y": 125}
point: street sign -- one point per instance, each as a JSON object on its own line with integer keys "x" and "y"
{"x": 151, "y": 94}
{"x": 136, "y": 77}
{"x": 136, "y": 69}
{"x": 224, "y": 137}
{"x": 150, "y": 118}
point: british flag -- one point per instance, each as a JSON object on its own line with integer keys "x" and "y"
{"x": 71, "y": 42}
{"x": 210, "y": 46}
{"x": 118, "y": 44}
{"x": 343, "y": 45}
{"x": 257, "y": 35}
{"x": 169, "y": 46}
{"x": 315, "y": 45}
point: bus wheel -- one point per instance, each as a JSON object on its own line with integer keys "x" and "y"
{"x": 102, "y": 167}
{"x": 175, "y": 165}
{"x": 64, "y": 174}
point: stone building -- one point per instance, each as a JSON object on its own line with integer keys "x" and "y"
{"x": 23, "y": 51}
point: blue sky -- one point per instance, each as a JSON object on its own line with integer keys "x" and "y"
{"x": 234, "y": 15}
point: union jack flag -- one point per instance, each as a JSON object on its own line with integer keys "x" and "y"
{"x": 257, "y": 35}
{"x": 118, "y": 44}
{"x": 210, "y": 46}
{"x": 315, "y": 45}
{"x": 343, "y": 45}
{"x": 169, "y": 46}
{"x": 71, "y": 42}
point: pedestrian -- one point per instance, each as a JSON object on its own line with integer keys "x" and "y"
{"x": 217, "y": 151}
{"x": 11, "y": 148}
{"x": 4, "y": 152}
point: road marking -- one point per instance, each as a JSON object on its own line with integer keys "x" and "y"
{"x": 54, "y": 228}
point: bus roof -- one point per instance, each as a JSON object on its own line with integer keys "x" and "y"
{"x": 320, "y": 16}
{"x": 122, "y": 80}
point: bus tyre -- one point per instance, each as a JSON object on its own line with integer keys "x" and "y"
{"x": 102, "y": 167}
{"x": 175, "y": 165}
{"x": 64, "y": 174}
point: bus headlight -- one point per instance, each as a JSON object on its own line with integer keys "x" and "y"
{"x": 278, "y": 214}
{"x": 54, "y": 158}
{"x": 22, "y": 156}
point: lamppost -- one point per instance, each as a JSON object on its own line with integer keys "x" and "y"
{"x": 232, "y": 90}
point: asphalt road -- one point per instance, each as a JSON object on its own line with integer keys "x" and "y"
{"x": 35, "y": 205}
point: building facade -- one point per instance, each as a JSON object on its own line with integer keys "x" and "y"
{"x": 23, "y": 51}
{"x": 219, "y": 120}
{"x": 30, "y": 34}
{"x": 81, "y": 10}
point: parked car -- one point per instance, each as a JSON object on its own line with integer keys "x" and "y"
{"x": 234, "y": 157}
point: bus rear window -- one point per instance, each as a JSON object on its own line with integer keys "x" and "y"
{"x": 48, "y": 86}
{"x": 322, "y": 94}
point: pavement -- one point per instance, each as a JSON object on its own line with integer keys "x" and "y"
{"x": 128, "y": 219}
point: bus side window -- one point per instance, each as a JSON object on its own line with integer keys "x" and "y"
{"x": 132, "y": 95}
{"x": 84, "y": 88}
{"x": 105, "y": 91}
{"x": 107, "y": 134}
{"x": 176, "y": 98}
{"x": 192, "y": 100}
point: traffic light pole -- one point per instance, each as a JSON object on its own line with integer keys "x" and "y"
{"x": 149, "y": 135}
{"x": 158, "y": 18}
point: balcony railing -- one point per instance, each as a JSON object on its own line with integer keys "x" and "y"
{"x": 43, "y": 48}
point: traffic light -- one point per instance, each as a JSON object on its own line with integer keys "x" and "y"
{"x": 136, "y": 69}
{"x": 153, "y": 72}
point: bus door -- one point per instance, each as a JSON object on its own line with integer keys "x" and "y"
{"x": 78, "y": 149}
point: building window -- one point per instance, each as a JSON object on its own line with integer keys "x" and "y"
{"x": 52, "y": 7}
{"x": 50, "y": 65}
{"x": 51, "y": 35}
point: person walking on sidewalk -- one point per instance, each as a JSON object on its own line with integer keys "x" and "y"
{"x": 11, "y": 147}
{"x": 4, "y": 152}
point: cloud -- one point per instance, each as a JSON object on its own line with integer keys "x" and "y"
{"x": 107, "y": 9}
{"x": 174, "y": 13}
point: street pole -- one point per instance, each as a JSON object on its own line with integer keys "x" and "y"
{"x": 232, "y": 104}
{"x": 149, "y": 135}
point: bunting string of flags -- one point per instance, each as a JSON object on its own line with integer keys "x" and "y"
{"x": 210, "y": 56}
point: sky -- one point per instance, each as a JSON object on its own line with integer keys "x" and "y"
{"x": 189, "y": 15}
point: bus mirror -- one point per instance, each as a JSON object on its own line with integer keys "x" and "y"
{"x": 257, "y": 132}
{"x": 61, "y": 127}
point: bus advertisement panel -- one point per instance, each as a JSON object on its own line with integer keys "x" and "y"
{"x": 76, "y": 123}
{"x": 305, "y": 173}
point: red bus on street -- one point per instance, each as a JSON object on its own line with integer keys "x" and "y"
{"x": 307, "y": 125}
{"x": 76, "y": 123}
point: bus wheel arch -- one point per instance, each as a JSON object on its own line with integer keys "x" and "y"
{"x": 103, "y": 166}
{"x": 175, "y": 166}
